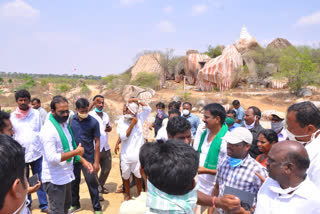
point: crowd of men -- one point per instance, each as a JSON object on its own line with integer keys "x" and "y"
{"x": 225, "y": 163}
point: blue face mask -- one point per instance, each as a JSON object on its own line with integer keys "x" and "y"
{"x": 97, "y": 110}
{"x": 234, "y": 162}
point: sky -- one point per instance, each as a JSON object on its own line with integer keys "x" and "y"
{"x": 102, "y": 37}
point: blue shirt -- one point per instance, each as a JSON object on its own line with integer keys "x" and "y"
{"x": 240, "y": 114}
{"x": 84, "y": 132}
{"x": 235, "y": 125}
{"x": 194, "y": 121}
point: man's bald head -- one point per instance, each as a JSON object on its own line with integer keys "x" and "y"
{"x": 293, "y": 152}
{"x": 286, "y": 159}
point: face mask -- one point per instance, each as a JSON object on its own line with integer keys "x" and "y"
{"x": 128, "y": 116}
{"x": 279, "y": 190}
{"x": 234, "y": 162}
{"x": 22, "y": 207}
{"x": 160, "y": 113}
{"x": 83, "y": 116}
{"x": 97, "y": 110}
{"x": 229, "y": 121}
{"x": 61, "y": 119}
{"x": 250, "y": 126}
{"x": 185, "y": 112}
{"x": 293, "y": 137}
{"x": 277, "y": 127}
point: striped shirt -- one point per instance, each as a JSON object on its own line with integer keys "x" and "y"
{"x": 242, "y": 177}
{"x": 161, "y": 202}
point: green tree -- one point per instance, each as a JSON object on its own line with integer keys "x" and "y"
{"x": 298, "y": 67}
{"x": 213, "y": 52}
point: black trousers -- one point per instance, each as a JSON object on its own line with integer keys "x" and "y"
{"x": 92, "y": 183}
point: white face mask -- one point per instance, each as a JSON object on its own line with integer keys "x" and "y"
{"x": 250, "y": 126}
{"x": 128, "y": 116}
{"x": 277, "y": 126}
{"x": 185, "y": 112}
{"x": 284, "y": 192}
{"x": 293, "y": 137}
{"x": 22, "y": 208}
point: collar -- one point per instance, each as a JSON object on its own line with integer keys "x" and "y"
{"x": 245, "y": 161}
{"x": 302, "y": 191}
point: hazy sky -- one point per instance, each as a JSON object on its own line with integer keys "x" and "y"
{"x": 102, "y": 37}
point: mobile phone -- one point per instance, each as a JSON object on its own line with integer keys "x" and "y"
{"x": 33, "y": 180}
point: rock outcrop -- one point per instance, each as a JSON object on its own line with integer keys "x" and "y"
{"x": 220, "y": 72}
{"x": 192, "y": 65}
{"x": 246, "y": 42}
{"x": 149, "y": 63}
{"x": 279, "y": 43}
{"x": 135, "y": 91}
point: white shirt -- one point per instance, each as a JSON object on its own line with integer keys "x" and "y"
{"x": 135, "y": 206}
{"x": 304, "y": 200}
{"x": 43, "y": 114}
{"x": 130, "y": 146}
{"x": 197, "y": 137}
{"x": 102, "y": 124}
{"x": 206, "y": 182}
{"x": 313, "y": 149}
{"x": 26, "y": 132}
{"x": 53, "y": 170}
{"x": 162, "y": 134}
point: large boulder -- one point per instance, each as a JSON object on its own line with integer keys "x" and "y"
{"x": 179, "y": 70}
{"x": 248, "y": 60}
{"x": 192, "y": 65}
{"x": 221, "y": 72}
{"x": 135, "y": 91}
{"x": 304, "y": 92}
{"x": 271, "y": 82}
{"x": 279, "y": 43}
{"x": 149, "y": 63}
{"x": 246, "y": 42}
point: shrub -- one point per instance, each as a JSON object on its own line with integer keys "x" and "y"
{"x": 84, "y": 88}
{"x": 29, "y": 84}
{"x": 298, "y": 67}
{"x": 44, "y": 82}
{"x": 63, "y": 87}
{"x": 117, "y": 82}
{"x": 146, "y": 80}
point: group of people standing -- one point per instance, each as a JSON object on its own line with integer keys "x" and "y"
{"x": 58, "y": 146}
{"x": 226, "y": 163}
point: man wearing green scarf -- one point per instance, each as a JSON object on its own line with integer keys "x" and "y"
{"x": 59, "y": 153}
{"x": 211, "y": 148}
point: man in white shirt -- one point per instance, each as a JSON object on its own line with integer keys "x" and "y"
{"x": 105, "y": 127}
{"x": 288, "y": 189}
{"x": 130, "y": 130}
{"x": 179, "y": 128}
{"x": 36, "y": 104}
{"x": 59, "y": 153}
{"x": 303, "y": 120}
{"x": 211, "y": 147}
{"x": 162, "y": 133}
{"x": 26, "y": 124}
